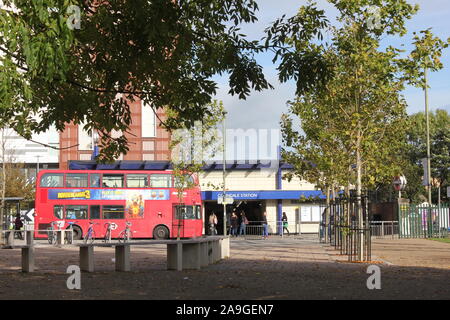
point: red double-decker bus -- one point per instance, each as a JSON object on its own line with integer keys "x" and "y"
{"x": 146, "y": 199}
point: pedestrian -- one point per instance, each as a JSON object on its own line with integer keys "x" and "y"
{"x": 212, "y": 224}
{"x": 244, "y": 223}
{"x": 265, "y": 226}
{"x": 234, "y": 224}
{"x": 18, "y": 224}
{"x": 284, "y": 219}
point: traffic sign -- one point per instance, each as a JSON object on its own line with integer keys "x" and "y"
{"x": 29, "y": 216}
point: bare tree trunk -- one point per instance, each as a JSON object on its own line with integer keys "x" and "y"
{"x": 327, "y": 214}
{"x": 358, "y": 201}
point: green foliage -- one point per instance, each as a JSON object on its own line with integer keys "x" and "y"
{"x": 163, "y": 52}
{"x": 415, "y": 150}
{"x": 16, "y": 182}
{"x": 353, "y": 122}
{"x": 191, "y": 147}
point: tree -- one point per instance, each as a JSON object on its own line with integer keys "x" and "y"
{"x": 83, "y": 61}
{"x": 415, "y": 151}
{"x": 192, "y": 147}
{"x": 359, "y": 102}
{"x": 425, "y": 57}
{"x": 13, "y": 182}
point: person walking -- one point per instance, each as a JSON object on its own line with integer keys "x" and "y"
{"x": 244, "y": 223}
{"x": 265, "y": 226}
{"x": 212, "y": 224}
{"x": 18, "y": 224}
{"x": 234, "y": 224}
{"x": 284, "y": 219}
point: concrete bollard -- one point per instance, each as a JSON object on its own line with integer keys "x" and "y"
{"x": 29, "y": 235}
{"x": 28, "y": 259}
{"x": 87, "y": 258}
{"x": 60, "y": 237}
{"x": 204, "y": 258}
{"x": 215, "y": 250}
{"x": 224, "y": 248}
{"x": 175, "y": 256}
{"x": 123, "y": 257}
{"x": 191, "y": 256}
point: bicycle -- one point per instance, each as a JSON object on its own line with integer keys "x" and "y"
{"x": 52, "y": 233}
{"x": 107, "y": 238}
{"x": 90, "y": 234}
{"x": 125, "y": 235}
{"x": 68, "y": 235}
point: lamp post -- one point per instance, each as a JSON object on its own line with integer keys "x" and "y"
{"x": 427, "y": 117}
{"x": 223, "y": 194}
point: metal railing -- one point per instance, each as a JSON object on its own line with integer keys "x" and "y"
{"x": 255, "y": 229}
{"x": 384, "y": 229}
{"x": 424, "y": 221}
{"x": 19, "y": 237}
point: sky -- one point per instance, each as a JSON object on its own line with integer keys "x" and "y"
{"x": 263, "y": 109}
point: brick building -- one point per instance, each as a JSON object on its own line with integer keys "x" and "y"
{"x": 147, "y": 141}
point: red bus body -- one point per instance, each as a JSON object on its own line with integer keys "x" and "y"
{"x": 116, "y": 197}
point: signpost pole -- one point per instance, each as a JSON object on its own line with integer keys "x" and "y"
{"x": 223, "y": 194}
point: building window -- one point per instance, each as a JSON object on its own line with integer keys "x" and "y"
{"x": 161, "y": 181}
{"x": 84, "y": 138}
{"x": 113, "y": 180}
{"x": 75, "y": 180}
{"x": 137, "y": 180}
{"x": 148, "y": 124}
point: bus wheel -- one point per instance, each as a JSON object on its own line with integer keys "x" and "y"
{"x": 161, "y": 232}
{"x": 77, "y": 234}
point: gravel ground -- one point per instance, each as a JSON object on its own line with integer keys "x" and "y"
{"x": 273, "y": 269}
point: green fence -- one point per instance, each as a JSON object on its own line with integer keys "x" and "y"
{"x": 423, "y": 221}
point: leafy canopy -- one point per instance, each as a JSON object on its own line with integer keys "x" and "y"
{"x": 163, "y": 52}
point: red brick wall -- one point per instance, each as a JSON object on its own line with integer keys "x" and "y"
{"x": 159, "y": 145}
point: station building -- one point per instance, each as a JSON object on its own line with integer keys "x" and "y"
{"x": 255, "y": 188}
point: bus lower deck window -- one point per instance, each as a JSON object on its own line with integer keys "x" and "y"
{"x": 76, "y": 212}
{"x": 94, "y": 212}
{"x": 113, "y": 212}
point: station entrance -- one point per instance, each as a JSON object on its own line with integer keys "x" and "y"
{"x": 253, "y": 210}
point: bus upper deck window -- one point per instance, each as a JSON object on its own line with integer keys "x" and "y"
{"x": 137, "y": 180}
{"x": 76, "y": 180}
{"x": 161, "y": 181}
{"x": 112, "y": 180}
{"x": 52, "y": 180}
{"x": 95, "y": 180}
{"x": 186, "y": 181}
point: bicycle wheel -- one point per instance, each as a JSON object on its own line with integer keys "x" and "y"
{"x": 68, "y": 237}
{"x": 106, "y": 239}
{"x": 50, "y": 235}
{"x": 89, "y": 237}
{"x": 123, "y": 237}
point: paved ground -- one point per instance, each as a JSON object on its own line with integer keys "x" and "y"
{"x": 258, "y": 269}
